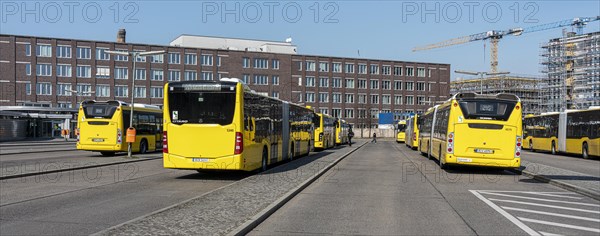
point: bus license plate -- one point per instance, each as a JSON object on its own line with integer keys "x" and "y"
{"x": 97, "y": 140}
{"x": 199, "y": 159}
{"x": 460, "y": 159}
{"x": 486, "y": 151}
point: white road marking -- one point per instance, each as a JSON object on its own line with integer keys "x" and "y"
{"x": 544, "y": 205}
{"x": 551, "y": 214}
{"x": 560, "y": 225}
{"x": 549, "y": 234}
{"x": 507, "y": 191}
{"x": 508, "y": 216}
{"x": 541, "y": 199}
{"x": 553, "y": 195}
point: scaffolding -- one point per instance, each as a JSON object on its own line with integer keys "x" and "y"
{"x": 526, "y": 87}
{"x": 571, "y": 65}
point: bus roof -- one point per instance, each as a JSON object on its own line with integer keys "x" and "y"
{"x": 501, "y": 96}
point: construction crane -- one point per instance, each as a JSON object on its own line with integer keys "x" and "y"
{"x": 495, "y": 35}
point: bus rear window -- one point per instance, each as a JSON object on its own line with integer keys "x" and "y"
{"x": 99, "y": 110}
{"x": 401, "y": 127}
{"x": 487, "y": 109}
{"x": 202, "y": 107}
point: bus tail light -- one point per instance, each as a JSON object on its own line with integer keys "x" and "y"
{"x": 414, "y": 136}
{"x": 77, "y": 133}
{"x": 239, "y": 143}
{"x": 119, "y": 136}
{"x": 518, "y": 144}
{"x": 320, "y": 136}
{"x": 165, "y": 143}
{"x": 450, "y": 140}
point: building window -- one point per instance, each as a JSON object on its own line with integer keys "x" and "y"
{"x": 84, "y": 90}
{"x": 246, "y": 78}
{"x": 174, "y": 75}
{"x": 362, "y": 98}
{"x": 410, "y": 100}
{"x": 261, "y": 79}
{"x": 429, "y": 73}
{"x": 27, "y": 49}
{"x": 261, "y": 63}
{"x": 207, "y": 60}
{"x": 219, "y": 61}
{"x": 430, "y": 85}
{"x": 28, "y": 88}
{"x": 140, "y": 92}
{"x": 323, "y": 66}
{"x": 121, "y": 91}
{"x": 420, "y": 100}
{"x": 84, "y": 53}
{"x": 310, "y": 66}
{"x": 374, "y": 113}
{"x": 336, "y": 98}
{"x": 324, "y": 111}
{"x": 246, "y": 62}
{"x": 350, "y": 83}
{"x": 310, "y": 97}
{"x": 160, "y": 58}
{"x": 103, "y": 90}
{"x": 386, "y": 99}
{"x": 362, "y": 69}
{"x": 397, "y": 85}
{"x": 337, "y": 67}
{"x": 374, "y": 84}
{"x": 420, "y": 72}
{"x": 140, "y": 74}
{"x": 206, "y": 75}
{"x": 64, "y": 105}
{"x": 336, "y": 112}
{"x": 275, "y": 64}
{"x": 386, "y": 70}
{"x": 420, "y": 86}
{"x": 101, "y": 54}
{"x": 174, "y": 58}
{"x": 310, "y": 81}
{"x": 386, "y": 84}
{"x": 190, "y": 75}
{"x": 374, "y": 99}
{"x": 191, "y": 59}
{"x": 409, "y": 86}
{"x": 44, "y": 70}
{"x": 348, "y": 113}
{"x": 410, "y": 71}
{"x": 157, "y": 74}
{"x": 374, "y": 70}
{"x": 140, "y": 58}
{"x": 84, "y": 71}
{"x": 28, "y": 69}
{"x": 349, "y": 98}
{"x": 398, "y": 100}
{"x": 323, "y": 97}
{"x": 121, "y": 73}
{"x": 102, "y": 72}
{"x": 43, "y": 50}
{"x": 121, "y": 57}
{"x": 349, "y": 68}
{"x": 156, "y": 92}
{"x": 63, "y": 51}
{"x": 275, "y": 80}
{"x": 64, "y": 70}
{"x": 323, "y": 82}
{"x": 275, "y": 94}
{"x": 336, "y": 82}
{"x": 397, "y": 71}
{"x": 362, "y": 83}
{"x": 63, "y": 89}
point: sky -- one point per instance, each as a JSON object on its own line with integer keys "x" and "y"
{"x": 364, "y": 29}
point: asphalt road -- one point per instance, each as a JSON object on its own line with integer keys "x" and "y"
{"x": 388, "y": 189}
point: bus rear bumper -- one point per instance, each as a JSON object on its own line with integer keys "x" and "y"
{"x": 502, "y": 163}
{"x": 232, "y": 162}
{"x": 100, "y": 147}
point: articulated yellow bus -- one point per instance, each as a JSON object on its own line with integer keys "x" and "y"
{"x": 412, "y": 132}
{"x": 224, "y": 125}
{"x": 573, "y": 131}
{"x": 324, "y": 131}
{"x": 341, "y": 131}
{"x": 101, "y": 127}
{"x": 401, "y": 131}
{"x": 474, "y": 129}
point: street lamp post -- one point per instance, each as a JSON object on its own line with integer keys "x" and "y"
{"x": 134, "y": 55}
{"x": 481, "y": 73}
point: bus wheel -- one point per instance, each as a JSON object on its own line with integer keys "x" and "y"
{"x": 143, "y": 146}
{"x": 443, "y": 166}
{"x": 265, "y": 155}
{"x": 531, "y": 145}
{"x": 107, "y": 154}
{"x": 553, "y": 149}
{"x": 584, "y": 151}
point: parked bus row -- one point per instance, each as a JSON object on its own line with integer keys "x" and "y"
{"x": 470, "y": 129}
{"x": 211, "y": 125}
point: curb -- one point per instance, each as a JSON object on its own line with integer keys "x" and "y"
{"x": 250, "y": 224}
{"x": 30, "y": 152}
{"x": 560, "y": 184}
{"x": 76, "y": 168}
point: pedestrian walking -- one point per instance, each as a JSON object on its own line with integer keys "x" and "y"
{"x": 374, "y": 138}
{"x": 350, "y": 135}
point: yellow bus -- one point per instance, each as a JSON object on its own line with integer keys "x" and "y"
{"x": 224, "y": 125}
{"x": 474, "y": 129}
{"x": 412, "y": 132}
{"x": 101, "y": 127}
{"x": 324, "y": 131}
{"x": 341, "y": 131}
{"x": 572, "y": 131}
{"x": 401, "y": 131}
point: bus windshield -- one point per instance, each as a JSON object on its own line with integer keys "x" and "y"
{"x": 486, "y": 109}
{"x": 401, "y": 127}
{"x": 202, "y": 107}
{"x": 99, "y": 110}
